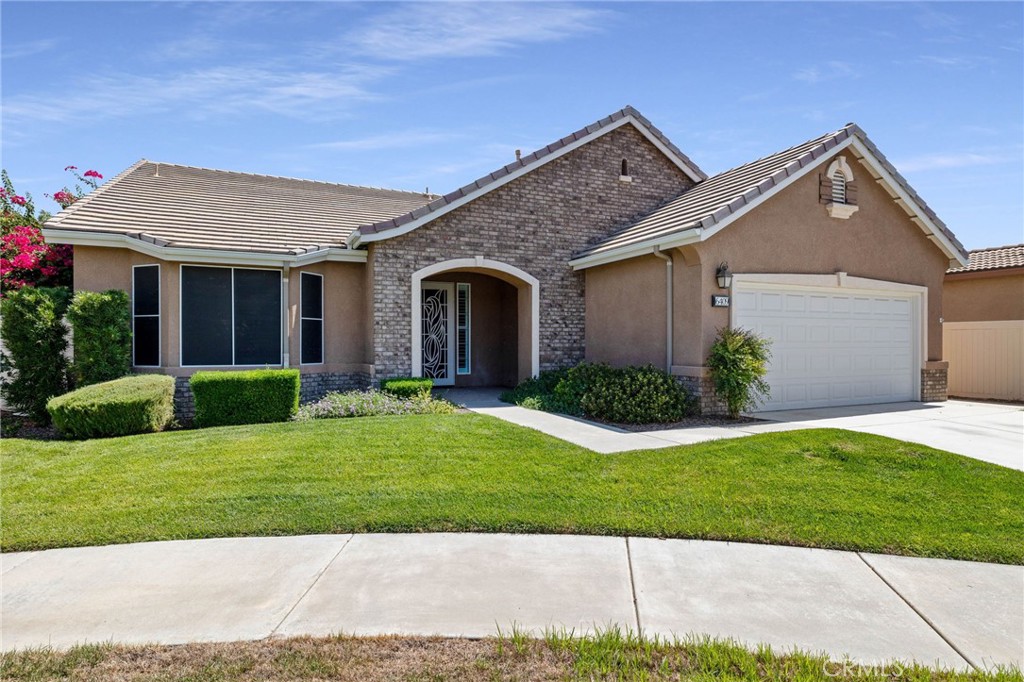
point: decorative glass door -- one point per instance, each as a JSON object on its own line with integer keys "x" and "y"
{"x": 437, "y": 332}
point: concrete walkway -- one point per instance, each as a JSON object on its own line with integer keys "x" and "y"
{"x": 873, "y": 608}
{"x": 991, "y": 432}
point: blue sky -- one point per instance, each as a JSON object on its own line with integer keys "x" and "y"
{"x": 436, "y": 94}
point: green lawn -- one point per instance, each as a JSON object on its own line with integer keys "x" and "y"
{"x": 819, "y": 488}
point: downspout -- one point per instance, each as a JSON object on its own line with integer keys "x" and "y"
{"x": 668, "y": 306}
{"x": 286, "y": 326}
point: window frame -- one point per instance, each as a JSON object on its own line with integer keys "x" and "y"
{"x": 158, "y": 316}
{"x": 323, "y": 349}
{"x": 232, "y": 268}
{"x": 461, "y": 370}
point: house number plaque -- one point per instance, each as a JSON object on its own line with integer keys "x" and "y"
{"x": 719, "y": 301}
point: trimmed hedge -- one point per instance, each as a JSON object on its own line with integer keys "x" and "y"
{"x": 34, "y": 364}
{"x": 140, "y": 403}
{"x": 407, "y": 387}
{"x": 249, "y": 397}
{"x": 102, "y": 327}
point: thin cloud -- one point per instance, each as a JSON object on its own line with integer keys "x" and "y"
{"x": 401, "y": 140}
{"x": 826, "y": 72}
{"x": 946, "y": 161}
{"x": 28, "y": 49}
{"x": 469, "y": 30}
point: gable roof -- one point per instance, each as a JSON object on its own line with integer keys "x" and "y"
{"x": 407, "y": 222}
{"x": 706, "y": 208}
{"x": 993, "y": 258}
{"x": 160, "y": 207}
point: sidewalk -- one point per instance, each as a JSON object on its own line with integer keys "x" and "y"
{"x": 872, "y": 607}
{"x": 991, "y": 432}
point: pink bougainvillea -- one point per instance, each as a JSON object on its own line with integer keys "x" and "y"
{"x": 92, "y": 174}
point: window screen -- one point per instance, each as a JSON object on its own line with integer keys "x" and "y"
{"x": 462, "y": 328}
{"x": 205, "y": 316}
{"x": 257, "y": 317}
{"x": 311, "y": 323}
{"x": 146, "y": 316}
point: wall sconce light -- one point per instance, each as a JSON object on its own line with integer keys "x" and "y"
{"x": 724, "y": 276}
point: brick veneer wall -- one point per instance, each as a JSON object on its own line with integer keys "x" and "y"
{"x": 703, "y": 390}
{"x": 311, "y": 387}
{"x": 534, "y": 223}
{"x": 934, "y": 384}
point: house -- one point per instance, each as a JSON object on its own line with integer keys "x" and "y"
{"x": 609, "y": 244}
{"x": 983, "y": 324}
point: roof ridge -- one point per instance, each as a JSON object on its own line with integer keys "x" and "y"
{"x": 73, "y": 208}
{"x": 287, "y": 177}
{"x": 996, "y": 248}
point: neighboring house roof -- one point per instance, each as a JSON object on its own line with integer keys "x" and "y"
{"x": 169, "y": 206}
{"x": 703, "y": 210}
{"x": 406, "y": 223}
{"x": 993, "y": 258}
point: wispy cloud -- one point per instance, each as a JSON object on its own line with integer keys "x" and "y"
{"x": 399, "y": 140}
{"x": 201, "y": 93}
{"x": 424, "y": 30}
{"x": 826, "y": 72}
{"x": 28, "y": 49}
{"x": 954, "y": 160}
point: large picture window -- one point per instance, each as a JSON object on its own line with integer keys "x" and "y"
{"x": 311, "y": 318}
{"x": 230, "y": 316}
{"x": 146, "y": 316}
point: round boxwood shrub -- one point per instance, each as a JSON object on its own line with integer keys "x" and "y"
{"x": 141, "y": 403}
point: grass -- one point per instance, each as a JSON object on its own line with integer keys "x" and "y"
{"x": 611, "y": 655}
{"x": 467, "y": 472}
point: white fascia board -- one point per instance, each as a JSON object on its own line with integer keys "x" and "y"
{"x": 644, "y": 248}
{"x": 192, "y": 255}
{"x": 908, "y": 204}
{"x": 764, "y": 196}
{"x": 356, "y": 238}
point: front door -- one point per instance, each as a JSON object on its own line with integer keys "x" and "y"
{"x": 437, "y": 332}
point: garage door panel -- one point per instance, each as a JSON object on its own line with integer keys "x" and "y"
{"x": 832, "y": 349}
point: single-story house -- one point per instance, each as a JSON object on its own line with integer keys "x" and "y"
{"x": 609, "y": 244}
{"x": 983, "y": 324}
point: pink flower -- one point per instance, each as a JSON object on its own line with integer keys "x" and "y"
{"x": 19, "y": 200}
{"x": 25, "y": 261}
{"x": 3, "y": 192}
{"x": 64, "y": 198}
{"x": 67, "y": 168}
{"x": 93, "y": 174}
{"x": 48, "y": 271}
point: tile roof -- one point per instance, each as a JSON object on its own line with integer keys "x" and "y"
{"x": 718, "y": 197}
{"x": 993, "y": 258}
{"x": 531, "y": 159}
{"x": 184, "y": 206}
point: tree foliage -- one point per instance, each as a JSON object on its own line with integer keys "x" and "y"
{"x": 739, "y": 363}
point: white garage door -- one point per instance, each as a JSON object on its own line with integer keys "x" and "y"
{"x": 831, "y": 348}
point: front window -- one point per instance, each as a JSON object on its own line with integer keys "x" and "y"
{"x": 146, "y": 316}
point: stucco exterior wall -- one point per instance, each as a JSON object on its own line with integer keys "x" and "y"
{"x": 792, "y": 233}
{"x": 535, "y": 223}
{"x": 983, "y": 297}
{"x": 626, "y": 311}
{"x": 345, "y": 317}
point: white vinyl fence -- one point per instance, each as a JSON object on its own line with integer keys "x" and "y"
{"x": 986, "y": 359}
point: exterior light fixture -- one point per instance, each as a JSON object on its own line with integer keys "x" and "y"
{"x": 724, "y": 276}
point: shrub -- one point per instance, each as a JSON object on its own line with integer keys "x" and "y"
{"x": 372, "y": 403}
{"x": 249, "y": 397}
{"x": 739, "y": 363}
{"x": 407, "y": 387}
{"x": 140, "y": 403}
{"x": 630, "y": 395}
{"x": 34, "y": 365}
{"x": 102, "y": 328}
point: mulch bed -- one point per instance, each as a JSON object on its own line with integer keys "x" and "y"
{"x": 18, "y": 426}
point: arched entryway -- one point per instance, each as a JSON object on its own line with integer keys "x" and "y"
{"x": 475, "y": 322}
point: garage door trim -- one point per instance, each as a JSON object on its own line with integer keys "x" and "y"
{"x": 840, "y": 282}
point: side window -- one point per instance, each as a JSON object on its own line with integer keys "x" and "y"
{"x": 462, "y": 329}
{"x": 311, "y": 319}
{"x": 146, "y": 316}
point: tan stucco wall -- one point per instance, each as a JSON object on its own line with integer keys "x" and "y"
{"x": 983, "y": 297}
{"x": 792, "y": 233}
{"x": 345, "y": 305}
{"x": 625, "y": 319}
{"x": 493, "y": 329}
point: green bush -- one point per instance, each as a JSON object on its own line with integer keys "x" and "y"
{"x": 739, "y": 363}
{"x": 372, "y": 403}
{"x": 250, "y": 397}
{"x": 102, "y": 327}
{"x": 629, "y": 395}
{"x": 34, "y": 365}
{"x": 407, "y": 387}
{"x": 140, "y": 403}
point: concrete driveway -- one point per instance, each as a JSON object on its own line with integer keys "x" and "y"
{"x": 991, "y": 432}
